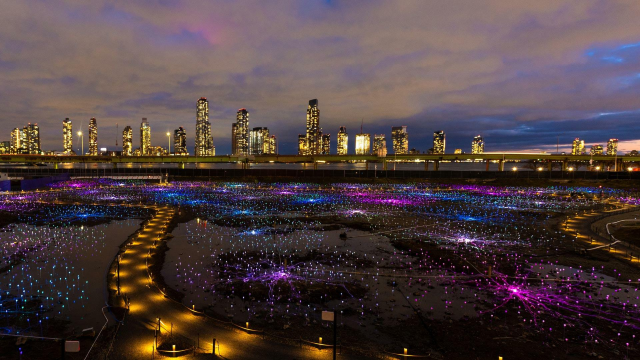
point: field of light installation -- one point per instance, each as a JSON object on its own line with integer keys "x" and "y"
{"x": 448, "y": 271}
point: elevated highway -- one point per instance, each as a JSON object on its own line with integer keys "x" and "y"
{"x": 427, "y": 159}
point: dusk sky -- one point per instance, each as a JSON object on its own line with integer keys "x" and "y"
{"x": 520, "y": 73}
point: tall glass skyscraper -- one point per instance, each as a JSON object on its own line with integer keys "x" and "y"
{"x": 400, "y": 139}
{"x": 67, "y": 137}
{"x": 203, "y": 140}
{"x": 439, "y": 140}
{"x": 93, "y": 137}
{"x": 343, "y": 141}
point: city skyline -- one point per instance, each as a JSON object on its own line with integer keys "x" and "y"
{"x": 520, "y": 80}
{"x": 258, "y": 141}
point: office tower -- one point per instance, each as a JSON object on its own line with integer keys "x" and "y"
{"x": 242, "y": 133}
{"x": 596, "y": 149}
{"x": 272, "y": 148}
{"x": 302, "y": 145}
{"x": 31, "y": 139}
{"x": 343, "y": 139}
{"x": 577, "y": 148}
{"x": 127, "y": 141}
{"x": 363, "y": 144}
{"x": 314, "y": 133}
{"x": 180, "y": 141}
{"x": 204, "y": 140}
{"x": 400, "y": 140}
{"x": 326, "y": 144}
{"x": 439, "y": 141}
{"x": 380, "y": 145}
{"x": 477, "y": 145}
{"x": 145, "y": 138}
{"x": 234, "y": 131}
{"x": 93, "y": 137}
{"x": 67, "y": 136}
{"x": 259, "y": 141}
{"x": 16, "y": 141}
{"x": 612, "y": 147}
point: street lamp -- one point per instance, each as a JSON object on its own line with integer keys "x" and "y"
{"x": 82, "y": 142}
{"x": 570, "y": 169}
{"x": 515, "y": 168}
{"x": 169, "y": 138}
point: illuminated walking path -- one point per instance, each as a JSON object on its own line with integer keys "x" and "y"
{"x": 135, "y": 338}
{"x": 580, "y": 227}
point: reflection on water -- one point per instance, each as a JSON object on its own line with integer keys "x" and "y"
{"x": 64, "y": 268}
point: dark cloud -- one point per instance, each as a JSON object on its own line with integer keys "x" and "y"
{"x": 520, "y": 73}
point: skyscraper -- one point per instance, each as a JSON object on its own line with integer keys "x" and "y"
{"x": 127, "y": 141}
{"x": 314, "y": 132}
{"x": 180, "y": 141}
{"x": 302, "y": 145}
{"x": 363, "y": 144}
{"x": 16, "y": 141}
{"x": 242, "y": 133}
{"x": 343, "y": 140}
{"x": 145, "y": 138}
{"x": 400, "y": 139}
{"x": 259, "y": 141}
{"x": 380, "y": 144}
{"x": 273, "y": 145}
{"x": 234, "y": 134}
{"x": 204, "y": 140}
{"x": 67, "y": 136}
{"x": 477, "y": 145}
{"x": 577, "y": 148}
{"x": 93, "y": 137}
{"x": 326, "y": 144}
{"x": 612, "y": 147}
{"x": 439, "y": 140}
{"x": 596, "y": 149}
{"x": 31, "y": 138}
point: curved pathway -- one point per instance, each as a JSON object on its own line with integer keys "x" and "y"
{"x": 135, "y": 338}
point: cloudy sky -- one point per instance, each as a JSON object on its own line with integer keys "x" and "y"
{"x": 524, "y": 74}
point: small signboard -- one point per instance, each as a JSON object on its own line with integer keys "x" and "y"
{"x": 327, "y": 316}
{"x": 72, "y": 346}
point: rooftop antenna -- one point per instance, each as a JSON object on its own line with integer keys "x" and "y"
{"x": 361, "y": 125}
{"x": 116, "y": 135}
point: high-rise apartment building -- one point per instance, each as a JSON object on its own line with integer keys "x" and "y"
{"x": 302, "y": 145}
{"x": 93, "y": 137}
{"x": 380, "y": 144}
{"x": 180, "y": 141}
{"x": 145, "y": 138}
{"x": 477, "y": 145}
{"x": 439, "y": 142}
{"x": 67, "y": 137}
{"x": 242, "y": 133}
{"x": 259, "y": 141}
{"x": 203, "y": 140}
{"x": 596, "y": 149}
{"x": 577, "y": 148}
{"x": 234, "y": 134}
{"x": 313, "y": 137}
{"x": 127, "y": 141}
{"x": 326, "y": 144}
{"x": 343, "y": 141}
{"x": 272, "y": 145}
{"x": 400, "y": 140}
{"x": 30, "y": 139}
{"x": 612, "y": 147}
{"x": 16, "y": 144}
{"x": 363, "y": 144}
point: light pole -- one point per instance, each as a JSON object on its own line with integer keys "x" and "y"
{"x": 82, "y": 142}
{"x": 169, "y": 138}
